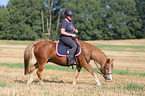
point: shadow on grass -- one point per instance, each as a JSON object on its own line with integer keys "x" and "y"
{"x": 37, "y": 81}
{"x": 54, "y": 81}
{"x": 51, "y": 82}
{"x": 65, "y": 82}
{"x": 21, "y": 81}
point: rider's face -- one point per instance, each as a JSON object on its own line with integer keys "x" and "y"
{"x": 69, "y": 17}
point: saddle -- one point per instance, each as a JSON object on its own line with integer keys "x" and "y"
{"x": 63, "y": 50}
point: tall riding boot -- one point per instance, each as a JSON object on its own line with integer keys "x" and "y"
{"x": 71, "y": 61}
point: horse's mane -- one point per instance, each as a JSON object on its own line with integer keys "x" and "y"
{"x": 95, "y": 53}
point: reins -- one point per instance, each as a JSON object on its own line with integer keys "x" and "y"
{"x": 95, "y": 64}
{"x": 90, "y": 64}
{"x": 88, "y": 61}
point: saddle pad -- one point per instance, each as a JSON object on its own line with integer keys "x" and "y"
{"x": 61, "y": 50}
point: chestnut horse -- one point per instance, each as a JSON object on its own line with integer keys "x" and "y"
{"x": 45, "y": 51}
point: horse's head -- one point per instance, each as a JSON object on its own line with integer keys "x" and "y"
{"x": 106, "y": 70}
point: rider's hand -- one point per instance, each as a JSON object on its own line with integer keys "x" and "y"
{"x": 73, "y": 35}
{"x": 76, "y": 30}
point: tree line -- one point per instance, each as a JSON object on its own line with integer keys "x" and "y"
{"x": 95, "y": 19}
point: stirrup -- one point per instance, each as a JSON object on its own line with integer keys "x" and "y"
{"x": 72, "y": 63}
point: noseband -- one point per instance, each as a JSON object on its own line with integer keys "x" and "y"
{"x": 105, "y": 69}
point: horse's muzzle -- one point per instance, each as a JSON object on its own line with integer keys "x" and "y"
{"x": 107, "y": 79}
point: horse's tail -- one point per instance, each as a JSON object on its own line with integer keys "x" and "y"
{"x": 27, "y": 56}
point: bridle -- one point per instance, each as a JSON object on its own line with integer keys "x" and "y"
{"x": 105, "y": 69}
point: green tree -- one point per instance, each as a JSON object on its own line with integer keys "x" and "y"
{"x": 95, "y": 19}
{"x": 121, "y": 18}
{"x": 25, "y": 14}
{"x": 4, "y": 23}
{"x": 140, "y": 6}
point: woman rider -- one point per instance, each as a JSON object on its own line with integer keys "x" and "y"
{"x": 67, "y": 29}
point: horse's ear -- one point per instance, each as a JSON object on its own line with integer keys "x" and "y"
{"x": 110, "y": 60}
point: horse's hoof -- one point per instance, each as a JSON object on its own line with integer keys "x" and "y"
{"x": 29, "y": 81}
{"x": 42, "y": 83}
{"x": 74, "y": 83}
{"x": 98, "y": 84}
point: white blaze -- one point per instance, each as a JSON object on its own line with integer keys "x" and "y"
{"x": 110, "y": 76}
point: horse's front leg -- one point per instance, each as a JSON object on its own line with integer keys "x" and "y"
{"x": 87, "y": 67}
{"x": 96, "y": 79}
{"x": 78, "y": 69}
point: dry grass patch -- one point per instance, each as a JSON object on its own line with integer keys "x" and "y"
{"x": 120, "y": 42}
{"x": 59, "y": 83}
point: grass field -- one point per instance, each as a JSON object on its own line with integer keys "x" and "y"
{"x": 128, "y": 73}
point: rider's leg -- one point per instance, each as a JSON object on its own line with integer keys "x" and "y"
{"x": 69, "y": 42}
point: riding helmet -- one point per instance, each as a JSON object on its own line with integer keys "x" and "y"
{"x": 68, "y": 12}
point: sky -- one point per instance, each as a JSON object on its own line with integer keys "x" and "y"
{"x": 4, "y": 2}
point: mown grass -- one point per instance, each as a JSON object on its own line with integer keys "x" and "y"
{"x": 13, "y": 84}
{"x": 15, "y": 42}
{"x": 126, "y": 72}
{"x": 10, "y": 48}
{"x": 132, "y": 86}
{"x": 60, "y": 68}
{"x": 124, "y": 56}
{"x": 3, "y": 84}
{"x": 130, "y": 89}
{"x": 126, "y": 48}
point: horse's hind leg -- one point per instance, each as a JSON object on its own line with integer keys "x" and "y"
{"x": 78, "y": 69}
{"x": 32, "y": 68}
{"x": 39, "y": 72}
